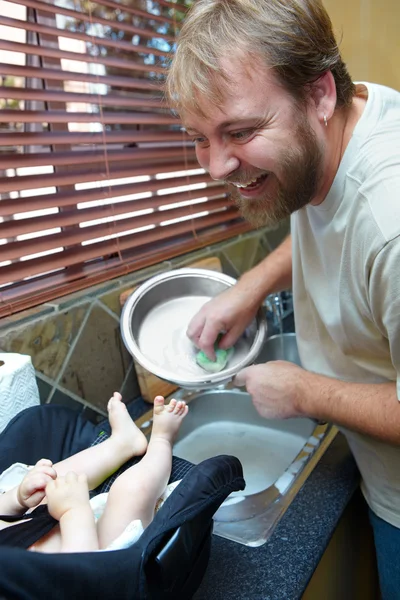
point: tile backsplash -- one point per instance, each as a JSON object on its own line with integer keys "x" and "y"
{"x": 75, "y": 342}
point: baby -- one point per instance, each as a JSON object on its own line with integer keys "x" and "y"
{"x": 132, "y": 497}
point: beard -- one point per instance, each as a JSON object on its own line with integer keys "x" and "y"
{"x": 300, "y": 175}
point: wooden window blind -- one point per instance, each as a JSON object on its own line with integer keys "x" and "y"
{"x": 97, "y": 178}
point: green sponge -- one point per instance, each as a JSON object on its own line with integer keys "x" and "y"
{"x": 214, "y": 366}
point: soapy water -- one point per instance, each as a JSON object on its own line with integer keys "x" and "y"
{"x": 163, "y": 340}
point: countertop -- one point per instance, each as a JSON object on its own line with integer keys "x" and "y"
{"x": 283, "y": 566}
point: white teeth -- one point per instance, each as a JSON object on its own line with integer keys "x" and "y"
{"x": 244, "y": 185}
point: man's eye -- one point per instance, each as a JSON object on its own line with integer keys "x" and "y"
{"x": 199, "y": 141}
{"x": 242, "y": 135}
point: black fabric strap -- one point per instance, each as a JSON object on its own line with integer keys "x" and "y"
{"x": 33, "y": 526}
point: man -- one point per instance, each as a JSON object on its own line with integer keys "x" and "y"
{"x": 264, "y": 94}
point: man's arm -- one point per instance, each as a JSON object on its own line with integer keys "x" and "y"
{"x": 370, "y": 408}
{"x": 281, "y": 389}
{"x": 272, "y": 274}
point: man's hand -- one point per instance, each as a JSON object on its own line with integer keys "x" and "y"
{"x": 31, "y": 490}
{"x": 276, "y": 388}
{"x": 229, "y": 313}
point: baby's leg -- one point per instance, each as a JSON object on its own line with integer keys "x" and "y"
{"x": 98, "y": 462}
{"x": 134, "y": 493}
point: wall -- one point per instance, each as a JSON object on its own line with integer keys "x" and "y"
{"x": 75, "y": 342}
{"x": 369, "y": 33}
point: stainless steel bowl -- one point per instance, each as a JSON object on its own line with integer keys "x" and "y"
{"x": 155, "y": 318}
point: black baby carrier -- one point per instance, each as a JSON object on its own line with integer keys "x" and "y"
{"x": 169, "y": 559}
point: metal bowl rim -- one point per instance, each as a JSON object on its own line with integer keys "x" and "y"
{"x": 195, "y": 382}
{"x": 285, "y": 334}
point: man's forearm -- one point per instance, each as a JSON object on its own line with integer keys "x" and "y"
{"x": 272, "y": 274}
{"x": 372, "y": 409}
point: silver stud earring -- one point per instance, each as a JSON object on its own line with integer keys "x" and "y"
{"x": 325, "y": 121}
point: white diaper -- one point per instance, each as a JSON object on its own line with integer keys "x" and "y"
{"x": 134, "y": 530}
{"x": 131, "y": 533}
{"x": 13, "y": 476}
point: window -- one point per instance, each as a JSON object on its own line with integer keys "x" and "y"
{"x": 97, "y": 178}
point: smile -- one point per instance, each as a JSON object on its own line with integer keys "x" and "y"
{"x": 252, "y": 183}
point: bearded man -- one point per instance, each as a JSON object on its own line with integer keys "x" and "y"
{"x": 263, "y": 92}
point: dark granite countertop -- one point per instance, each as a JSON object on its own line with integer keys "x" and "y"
{"x": 283, "y": 566}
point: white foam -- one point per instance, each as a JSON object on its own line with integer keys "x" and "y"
{"x": 264, "y": 453}
{"x": 163, "y": 340}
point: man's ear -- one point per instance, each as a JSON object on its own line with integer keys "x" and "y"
{"x": 323, "y": 96}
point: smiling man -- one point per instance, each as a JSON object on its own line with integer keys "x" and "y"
{"x": 268, "y": 153}
{"x": 263, "y": 92}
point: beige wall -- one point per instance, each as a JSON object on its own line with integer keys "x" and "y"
{"x": 369, "y": 30}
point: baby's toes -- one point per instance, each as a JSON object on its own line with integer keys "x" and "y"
{"x": 159, "y": 407}
{"x": 180, "y": 407}
{"x": 172, "y": 405}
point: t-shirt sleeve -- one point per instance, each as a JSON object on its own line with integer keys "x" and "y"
{"x": 384, "y": 292}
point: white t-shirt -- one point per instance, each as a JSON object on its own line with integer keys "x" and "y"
{"x": 346, "y": 281}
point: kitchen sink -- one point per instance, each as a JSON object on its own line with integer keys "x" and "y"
{"x": 280, "y": 347}
{"x": 277, "y": 455}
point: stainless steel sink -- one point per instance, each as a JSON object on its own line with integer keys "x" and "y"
{"x": 280, "y": 347}
{"x": 274, "y": 454}
{"x": 277, "y": 455}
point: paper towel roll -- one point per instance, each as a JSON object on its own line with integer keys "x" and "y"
{"x": 18, "y": 387}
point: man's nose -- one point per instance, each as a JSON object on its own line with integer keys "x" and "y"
{"x": 222, "y": 162}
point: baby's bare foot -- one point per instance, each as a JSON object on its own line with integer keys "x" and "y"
{"x": 167, "y": 418}
{"x": 123, "y": 429}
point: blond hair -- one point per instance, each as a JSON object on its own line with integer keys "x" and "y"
{"x": 293, "y": 37}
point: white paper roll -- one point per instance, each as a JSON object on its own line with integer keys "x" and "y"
{"x": 18, "y": 387}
